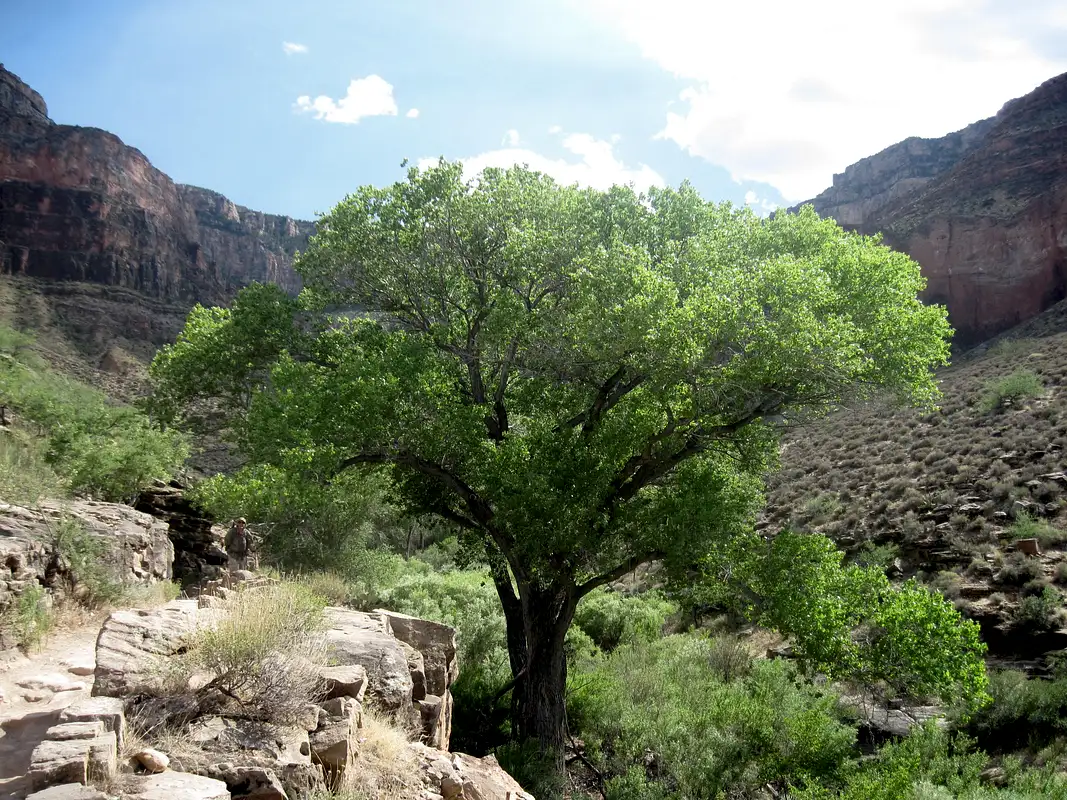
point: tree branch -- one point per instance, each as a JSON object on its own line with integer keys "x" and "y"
{"x": 611, "y": 575}
{"x": 614, "y": 389}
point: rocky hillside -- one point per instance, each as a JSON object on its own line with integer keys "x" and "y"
{"x": 118, "y": 250}
{"x": 952, "y": 496}
{"x": 983, "y": 210}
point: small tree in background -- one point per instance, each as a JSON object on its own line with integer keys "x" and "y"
{"x": 582, "y": 380}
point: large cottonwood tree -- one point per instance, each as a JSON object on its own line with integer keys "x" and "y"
{"x": 584, "y": 380}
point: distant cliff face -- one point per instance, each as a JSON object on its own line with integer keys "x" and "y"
{"x": 983, "y": 210}
{"x": 76, "y": 204}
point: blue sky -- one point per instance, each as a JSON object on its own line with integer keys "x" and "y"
{"x": 759, "y": 103}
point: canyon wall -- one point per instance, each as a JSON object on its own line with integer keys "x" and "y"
{"x": 80, "y": 207}
{"x": 983, "y": 211}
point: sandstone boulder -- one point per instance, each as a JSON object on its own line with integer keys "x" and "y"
{"x": 68, "y": 791}
{"x": 152, "y": 760}
{"x": 434, "y": 641}
{"x": 356, "y": 638}
{"x": 133, "y": 644}
{"x": 175, "y": 786}
{"x": 457, "y": 776}
{"x": 108, "y": 711}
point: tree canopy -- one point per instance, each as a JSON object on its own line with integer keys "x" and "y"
{"x": 582, "y": 380}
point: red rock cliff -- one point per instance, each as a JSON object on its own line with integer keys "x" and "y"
{"x": 983, "y": 210}
{"x": 76, "y": 204}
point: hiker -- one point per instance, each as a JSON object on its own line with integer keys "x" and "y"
{"x": 237, "y": 545}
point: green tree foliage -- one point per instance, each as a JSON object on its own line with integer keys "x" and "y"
{"x": 93, "y": 445}
{"x": 850, "y": 622}
{"x": 583, "y": 380}
{"x": 302, "y": 523}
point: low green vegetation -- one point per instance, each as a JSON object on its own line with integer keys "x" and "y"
{"x": 28, "y": 620}
{"x": 69, "y": 438}
{"x": 1023, "y": 384}
{"x": 1026, "y": 526}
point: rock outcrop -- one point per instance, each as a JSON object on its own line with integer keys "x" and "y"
{"x": 198, "y": 553}
{"x": 135, "y": 546}
{"x": 77, "y": 205}
{"x": 983, "y": 210}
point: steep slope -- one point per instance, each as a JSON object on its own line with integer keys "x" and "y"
{"x": 91, "y": 219}
{"x": 945, "y": 495}
{"x": 983, "y": 210}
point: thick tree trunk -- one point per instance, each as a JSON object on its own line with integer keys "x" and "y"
{"x": 539, "y": 698}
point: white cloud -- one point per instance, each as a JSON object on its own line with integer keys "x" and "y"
{"x": 366, "y": 97}
{"x": 788, "y": 93}
{"x": 413, "y": 113}
{"x": 596, "y": 166}
{"x": 511, "y": 138}
{"x": 761, "y": 205}
{"x": 555, "y": 129}
{"x": 289, "y": 48}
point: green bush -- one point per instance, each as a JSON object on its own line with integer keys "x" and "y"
{"x": 25, "y": 475}
{"x": 1024, "y": 712}
{"x": 705, "y": 735}
{"x": 1039, "y": 611}
{"x": 932, "y": 764}
{"x": 1027, "y": 527}
{"x": 97, "y": 447}
{"x": 1019, "y": 385}
{"x": 90, "y": 577}
{"x": 29, "y": 618}
{"x": 611, "y": 619}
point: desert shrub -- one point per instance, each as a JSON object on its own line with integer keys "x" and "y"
{"x": 384, "y": 763}
{"x": 1061, "y": 572}
{"x": 1027, "y": 527}
{"x": 28, "y": 619}
{"x": 663, "y": 698}
{"x": 262, "y": 654}
{"x": 25, "y": 474}
{"x": 729, "y": 658}
{"x": 948, "y": 583}
{"x": 879, "y": 556}
{"x": 1039, "y": 611}
{"x": 1018, "y": 568}
{"x": 330, "y": 586}
{"x": 1019, "y": 385}
{"x": 611, "y": 618}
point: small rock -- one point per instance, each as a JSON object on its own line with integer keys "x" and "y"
{"x": 970, "y": 508}
{"x": 81, "y": 665}
{"x": 51, "y": 683}
{"x": 68, "y": 791}
{"x": 152, "y": 760}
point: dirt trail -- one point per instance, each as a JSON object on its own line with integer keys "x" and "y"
{"x": 34, "y": 689}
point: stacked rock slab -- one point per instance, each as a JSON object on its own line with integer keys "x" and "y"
{"x": 83, "y": 746}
